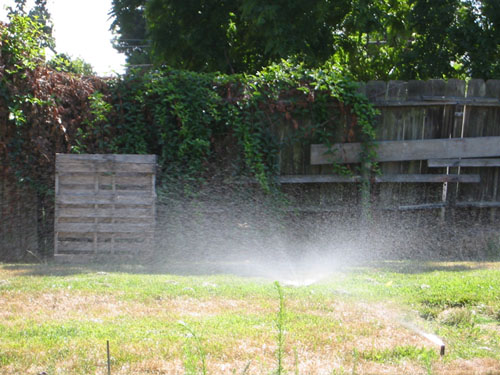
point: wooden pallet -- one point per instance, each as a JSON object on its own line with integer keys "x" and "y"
{"x": 105, "y": 205}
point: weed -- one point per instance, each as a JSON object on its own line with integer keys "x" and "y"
{"x": 427, "y": 357}
{"x": 355, "y": 359}
{"x": 429, "y": 312}
{"x": 280, "y": 325}
{"x": 296, "y": 361}
{"x": 193, "y": 359}
{"x": 339, "y": 371}
{"x": 457, "y": 316}
{"x": 245, "y": 370}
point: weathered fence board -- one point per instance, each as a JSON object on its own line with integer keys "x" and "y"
{"x": 389, "y": 178}
{"x": 105, "y": 204}
{"x": 448, "y": 148}
{"x": 19, "y": 224}
{"x": 436, "y": 163}
{"x": 481, "y": 122}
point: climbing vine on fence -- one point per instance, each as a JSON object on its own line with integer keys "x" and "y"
{"x": 194, "y": 121}
{"x": 200, "y": 125}
{"x": 289, "y": 92}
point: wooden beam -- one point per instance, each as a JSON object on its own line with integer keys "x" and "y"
{"x": 89, "y": 166}
{"x": 435, "y": 101}
{"x": 388, "y": 178}
{"x": 429, "y": 178}
{"x": 104, "y": 228}
{"x": 316, "y": 179}
{"x": 318, "y": 209}
{"x": 427, "y": 206}
{"x": 425, "y": 149}
{"x": 478, "y": 204}
{"x": 106, "y": 158}
{"x": 103, "y": 199}
{"x": 424, "y": 206}
{"x": 463, "y": 163}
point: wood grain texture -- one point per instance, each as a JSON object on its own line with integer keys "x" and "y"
{"x": 481, "y": 163}
{"x": 410, "y": 150}
{"x": 388, "y": 178}
{"x": 121, "y": 158}
{"x": 105, "y": 204}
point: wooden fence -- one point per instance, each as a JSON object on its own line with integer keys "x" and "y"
{"x": 19, "y": 224}
{"x": 422, "y": 168}
{"x": 105, "y": 204}
{"x": 409, "y": 111}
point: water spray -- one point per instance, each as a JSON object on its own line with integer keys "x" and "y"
{"x": 429, "y": 336}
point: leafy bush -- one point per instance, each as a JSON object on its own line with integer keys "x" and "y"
{"x": 41, "y": 111}
{"x": 203, "y": 123}
{"x": 64, "y": 63}
{"x": 200, "y": 125}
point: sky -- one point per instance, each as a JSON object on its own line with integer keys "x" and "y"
{"x": 81, "y": 29}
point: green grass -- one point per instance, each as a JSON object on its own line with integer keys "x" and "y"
{"x": 57, "y": 319}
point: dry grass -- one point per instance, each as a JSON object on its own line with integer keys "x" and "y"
{"x": 63, "y": 329}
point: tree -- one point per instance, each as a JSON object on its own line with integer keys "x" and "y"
{"x": 372, "y": 38}
{"x": 241, "y": 35}
{"x": 432, "y": 49}
{"x": 421, "y": 39}
{"x": 386, "y": 39}
{"x": 39, "y": 13}
{"x": 130, "y": 26}
{"x": 478, "y": 39}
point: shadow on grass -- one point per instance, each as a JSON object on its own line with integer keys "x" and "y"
{"x": 416, "y": 267}
{"x": 244, "y": 269}
{"x": 54, "y": 269}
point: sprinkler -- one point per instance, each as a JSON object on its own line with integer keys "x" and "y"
{"x": 435, "y": 340}
{"x": 429, "y": 336}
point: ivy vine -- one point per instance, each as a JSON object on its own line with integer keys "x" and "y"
{"x": 187, "y": 118}
{"x": 200, "y": 125}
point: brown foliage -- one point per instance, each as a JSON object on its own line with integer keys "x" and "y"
{"x": 51, "y": 125}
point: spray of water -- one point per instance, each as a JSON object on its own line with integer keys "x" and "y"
{"x": 429, "y": 336}
{"x": 238, "y": 230}
{"x": 246, "y": 233}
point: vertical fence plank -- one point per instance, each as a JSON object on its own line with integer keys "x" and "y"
{"x": 493, "y": 90}
{"x": 391, "y": 127}
{"x": 451, "y": 127}
{"x": 482, "y": 121}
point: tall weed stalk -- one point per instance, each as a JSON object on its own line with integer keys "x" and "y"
{"x": 280, "y": 325}
{"x": 194, "y": 361}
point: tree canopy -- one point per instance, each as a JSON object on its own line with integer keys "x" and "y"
{"x": 129, "y": 24}
{"x": 388, "y": 39}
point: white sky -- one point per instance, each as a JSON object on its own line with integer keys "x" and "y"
{"x": 81, "y": 29}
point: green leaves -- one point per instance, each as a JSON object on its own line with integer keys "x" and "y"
{"x": 201, "y": 124}
{"x": 21, "y": 44}
{"x": 171, "y": 113}
{"x": 371, "y": 40}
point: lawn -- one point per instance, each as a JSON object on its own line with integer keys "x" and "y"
{"x": 371, "y": 319}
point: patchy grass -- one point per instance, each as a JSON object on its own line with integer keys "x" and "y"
{"x": 361, "y": 320}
